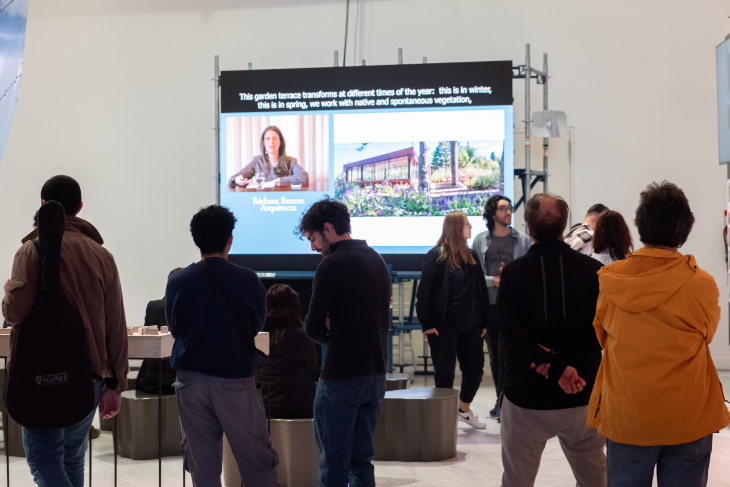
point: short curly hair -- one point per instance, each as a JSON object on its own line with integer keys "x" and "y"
{"x": 490, "y": 208}
{"x": 324, "y": 211}
{"x": 211, "y": 227}
{"x": 663, "y": 216}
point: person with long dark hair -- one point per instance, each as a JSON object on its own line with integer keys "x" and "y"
{"x": 452, "y": 308}
{"x": 273, "y": 162}
{"x": 292, "y": 357}
{"x": 611, "y": 238}
{"x": 499, "y": 245}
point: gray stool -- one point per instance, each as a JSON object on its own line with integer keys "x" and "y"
{"x": 417, "y": 425}
{"x": 294, "y": 441}
{"x": 396, "y": 382}
{"x": 137, "y": 426}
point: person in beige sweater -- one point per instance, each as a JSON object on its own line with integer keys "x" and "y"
{"x": 90, "y": 281}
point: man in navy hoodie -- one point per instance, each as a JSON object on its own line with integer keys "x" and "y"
{"x": 216, "y": 388}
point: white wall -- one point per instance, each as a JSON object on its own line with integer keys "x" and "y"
{"x": 118, "y": 95}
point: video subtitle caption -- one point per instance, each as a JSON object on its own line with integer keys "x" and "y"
{"x": 305, "y": 100}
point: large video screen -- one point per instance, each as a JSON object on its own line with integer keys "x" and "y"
{"x": 723, "y": 100}
{"x": 400, "y": 145}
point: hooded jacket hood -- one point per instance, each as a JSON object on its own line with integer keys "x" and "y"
{"x": 74, "y": 224}
{"x": 637, "y": 285}
{"x": 656, "y": 315}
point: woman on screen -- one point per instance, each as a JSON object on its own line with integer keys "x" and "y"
{"x": 273, "y": 163}
{"x": 452, "y": 307}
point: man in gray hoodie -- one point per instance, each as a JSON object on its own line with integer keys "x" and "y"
{"x": 499, "y": 245}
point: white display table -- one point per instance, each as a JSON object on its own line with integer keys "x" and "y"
{"x": 146, "y": 346}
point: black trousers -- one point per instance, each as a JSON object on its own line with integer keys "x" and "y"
{"x": 497, "y": 350}
{"x": 451, "y": 344}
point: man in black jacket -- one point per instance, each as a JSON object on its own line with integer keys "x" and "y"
{"x": 349, "y": 312}
{"x": 546, "y": 305}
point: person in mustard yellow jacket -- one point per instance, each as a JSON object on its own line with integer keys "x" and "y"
{"x": 657, "y": 397}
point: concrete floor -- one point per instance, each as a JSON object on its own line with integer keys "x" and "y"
{"x": 478, "y": 459}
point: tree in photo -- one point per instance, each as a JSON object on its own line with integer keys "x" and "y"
{"x": 454, "y": 145}
{"x": 441, "y": 157}
{"x": 423, "y": 169}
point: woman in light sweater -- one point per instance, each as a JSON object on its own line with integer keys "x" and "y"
{"x": 273, "y": 163}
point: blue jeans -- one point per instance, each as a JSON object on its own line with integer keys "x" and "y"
{"x": 56, "y": 456}
{"x": 683, "y": 465}
{"x": 345, "y": 415}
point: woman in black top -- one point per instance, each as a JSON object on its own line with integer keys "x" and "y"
{"x": 292, "y": 357}
{"x": 452, "y": 308}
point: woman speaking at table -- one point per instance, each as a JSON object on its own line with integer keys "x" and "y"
{"x": 273, "y": 164}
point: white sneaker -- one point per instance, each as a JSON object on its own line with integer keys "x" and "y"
{"x": 472, "y": 420}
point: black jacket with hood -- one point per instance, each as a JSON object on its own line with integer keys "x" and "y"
{"x": 548, "y": 297}
{"x": 433, "y": 291}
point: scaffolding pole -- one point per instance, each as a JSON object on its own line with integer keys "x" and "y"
{"x": 528, "y": 176}
{"x": 545, "y": 140}
{"x": 217, "y": 131}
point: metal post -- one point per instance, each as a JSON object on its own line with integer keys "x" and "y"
{"x": 528, "y": 176}
{"x": 401, "y": 320}
{"x": 159, "y": 418}
{"x": 390, "y": 340}
{"x": 425, "y": 61}
{"x": 337, "y": 59}
{"x": 545, "y": 140}
{"x": 347, "y": 23}
{"x": 90, "y": 457}
{"x": 363, "y": 62}
{"x": 400, "y": 55}
{"x": 114, "y": 440}
{"x": 6, "y": 428}
{"x": 216, "y": 83}
{"x": 250, "y": 66}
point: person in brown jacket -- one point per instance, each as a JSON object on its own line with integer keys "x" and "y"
{"x": 90, "y": 281}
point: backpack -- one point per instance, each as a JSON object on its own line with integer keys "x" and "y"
{"x": 49, "y": 382}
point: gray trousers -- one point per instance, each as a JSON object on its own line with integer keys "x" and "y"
{"x": 525, "y": 432}
{"x": 210, "y": 406}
